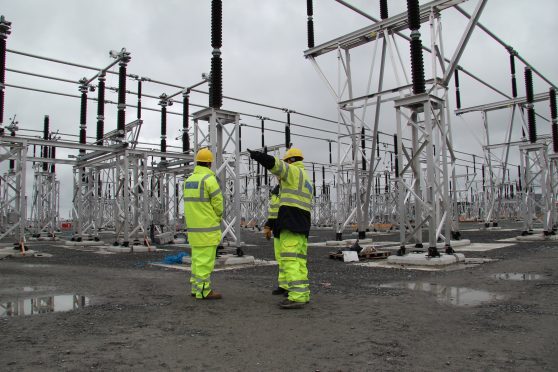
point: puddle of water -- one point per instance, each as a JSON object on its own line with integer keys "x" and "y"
{"x": 42, "y": 305}
{"x": 457, "y": 296}
{"x": 517, "y": 276}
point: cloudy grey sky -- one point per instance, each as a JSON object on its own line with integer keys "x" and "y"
{"x": 263, "y": 45}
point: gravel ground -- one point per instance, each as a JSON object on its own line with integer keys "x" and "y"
{"x": 141, "y": 317}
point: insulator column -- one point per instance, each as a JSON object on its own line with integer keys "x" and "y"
{"x": 457, "y": 92}
{"x": 377, "y": 147}
{"x": 53, "y": 156}
{"x": 310, "y": 14}
{"x": 5, "y": 27}
{"x": 83, "y": 88}
{"x": 330, "y": 157}
{"x": 531, "y": 120}
{"x": 323, "y": 181}
{"x": 383, "y": 9}
{"x": 216, "y": 83}
{"x": 185, "y": 121}
{"x": 362, "y": 145}
{"x": 553, "y": 116}
{"x": 138, "y": 115}
{"x": 519, "y": 186}
{"x": 240, "y": 138}
{"x": 314, "y": 179}
{"x": 396, "y": 153}
{"x": 121, "y": 117}
{"x": 101, "y": 110}
{"x": 417, "y": 63}
{"x": 163, "y": 103}
{"x": 512, "y": 69}
{"x": 46, "y": 130}
{"x": 288, "y": 131}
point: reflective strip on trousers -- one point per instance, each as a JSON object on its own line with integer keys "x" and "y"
{"x": 296, "y": 255}
{"x": 204, "y": 229}
{"x": 299, "y": 290}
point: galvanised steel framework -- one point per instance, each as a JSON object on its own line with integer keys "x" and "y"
{"x": 353, "y": 199}
{"x": 222, "y": 137}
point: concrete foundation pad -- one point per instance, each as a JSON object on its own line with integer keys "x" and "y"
{"x": 84, "y": 242}
{"x": 255, "y": 263}
{"x": 536, "y": 238}
{"x": 346, "y": 242}
{"x": 11, "y": 252}
{"x": 482, "y": 247}
{"x": 137, "y": 249}
{"x": 468, "y": 263}
{"x": 226, "y": 260}
{"x": 421, "y": 259}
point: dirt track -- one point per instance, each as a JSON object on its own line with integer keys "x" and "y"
{"x": 141, "y": 317}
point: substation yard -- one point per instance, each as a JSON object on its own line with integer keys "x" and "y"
{"x": 129, "y": 314}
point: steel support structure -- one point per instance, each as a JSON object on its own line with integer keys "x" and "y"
{"x": 537, "y": 195}
{"x": 222, "y": 138}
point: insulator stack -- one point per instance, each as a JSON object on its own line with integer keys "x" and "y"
{"x": 310, "y": 14}
{"x": 386, "y": 186}
{"x": 457, "y": 92}
{"x": 483, "y": 180}
{"x": 83, "y": 88}
{"x": 121, "y": 115}
{"x": 314, "y": 179}
{"x": 363, "y": 146}
{"x": 330, "y": 157}
{"x": 519, "y": 187}
{"x": 163, "y": 103}
{"x": 138, "y": 115}
{"x": 530, "y": 108}
{"x": 553, "y": 116}
{"x": 5, "y": 27}
{"x": 101, "y": 110}
{"x": 216, "y": 83}
{"x": 383, "y": 9}
{"x": 417, "y": 63}
{"x": 263, "y": 133}
{"x": 53, "y": 156}
{"x": 396, "y": 153}
{"x": 377, "y": 145}
{"x": 266, "y": 176}
{"x": 240, "y": 138}
{"x": 12, "y": 161}
{"x": 323, "y": 180}
{"x": 46, "y": 131}
{"x": 512, "y": 69}
{"x": 288, "y": 131}
{"x": 186, "y": 122}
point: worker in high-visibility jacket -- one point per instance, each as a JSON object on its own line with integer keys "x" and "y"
{"x": 293, "y": 222}
{"x": 203, "y": 210}
{"x": 268, "y": 231}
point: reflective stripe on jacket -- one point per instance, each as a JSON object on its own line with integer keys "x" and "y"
{"x": 296, "y": 187}
{"x": 203, "y": 207}
{"x": 273, "y": 210}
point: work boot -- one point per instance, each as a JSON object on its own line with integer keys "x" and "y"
{"x": 288, "y": 304}
{"x": 213, "y": 296}
{"x": 279, "y": 291}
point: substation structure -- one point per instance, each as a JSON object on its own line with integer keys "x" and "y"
{"x": 412, "y": 179}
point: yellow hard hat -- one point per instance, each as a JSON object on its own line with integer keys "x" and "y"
{"x": 204, "y": 156}
{"x": 293, "y": 152}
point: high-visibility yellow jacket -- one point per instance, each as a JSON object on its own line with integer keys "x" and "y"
{"x": 203, "y": 207}
{"x": 296, "y": 193}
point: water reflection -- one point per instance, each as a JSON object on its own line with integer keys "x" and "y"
{"x": 517, "y": 276}
{"x": 42, "y": 305}
{"x": 457, "y": 296}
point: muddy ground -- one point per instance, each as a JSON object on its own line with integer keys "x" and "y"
{"x": 141, "y": 317}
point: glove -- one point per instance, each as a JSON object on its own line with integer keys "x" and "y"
{"x": 255, "y": 154}
{"x": 264, "y": 159}
{"x": 267, "y": 232}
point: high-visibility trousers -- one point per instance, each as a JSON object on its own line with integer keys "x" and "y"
{"x": 203, "y": 262}
{"x": 281, "y": 278}
{"x": 293, "y": 257}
